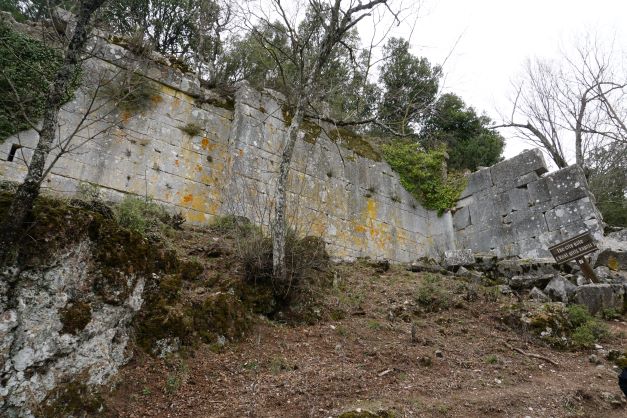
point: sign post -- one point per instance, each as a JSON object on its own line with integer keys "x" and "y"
{"x": 576, "y": 248}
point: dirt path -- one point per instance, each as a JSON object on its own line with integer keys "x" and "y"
{"x": 457, "y": 366}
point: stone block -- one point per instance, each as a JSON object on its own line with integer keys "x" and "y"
{"x": 526, "y": 162}
{"x": 567, "y": 185}
{"x": 461, "y": 218}
{"x": 488, "y": 209}
{"x": 538, "y": 192}
{"x": 568, "y": 213}
{"x": 456, "y": 258}
{"x": 517, "y": 199}
{"x": 477, "y": 182}
{"x": 598, "y": 297}
{"x": 528, "y": 226}
{"x": 538, "y": 296}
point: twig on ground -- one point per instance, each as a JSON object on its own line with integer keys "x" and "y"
{"x": 524, "y": 353}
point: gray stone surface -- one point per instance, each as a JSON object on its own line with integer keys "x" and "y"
{"x": 538, "y": 295}
{"x": 478, "y": 181}
{"x": 559, "y": 289}
{"x": 456, "y": 258}
{"x": 597, "y": 297}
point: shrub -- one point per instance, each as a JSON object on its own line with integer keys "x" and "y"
{"x": 130, "y": 91}
{"x": 431, "y": 295}
{"x": 306, "y": 261}
{"x": 566, "y": 327}
{"x": 423, "y": 174}
{"x": 146, "y": 217}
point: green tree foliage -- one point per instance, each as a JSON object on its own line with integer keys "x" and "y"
{"x": 35, "y": 9}
{"x": 608, "y": 181}
{"x": 260, "y": 57}
{"x": 28, "y": 66}
{"x": 470, "y": 143}
{"x": 189, "y": 30}
{"x": 423, "y": 174}
{"x": 410, "y": 85}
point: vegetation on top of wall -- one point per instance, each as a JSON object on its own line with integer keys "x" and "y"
{"x": 131, "y": 92}
{"x": 28, "y": 66}
{"x": 423, "y": 174}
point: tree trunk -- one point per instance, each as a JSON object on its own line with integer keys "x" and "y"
{"x": 279, "y": 226}
{"x": 29, "y": 190}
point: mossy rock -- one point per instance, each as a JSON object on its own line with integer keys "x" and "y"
{"x": 75, "y": 317}
{"x": 220, "y": 314}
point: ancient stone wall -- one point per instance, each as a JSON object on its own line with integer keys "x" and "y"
{"x": 204, "y": 156}
{"x": 230, "y": 164}
{"x": 514, "y": 209}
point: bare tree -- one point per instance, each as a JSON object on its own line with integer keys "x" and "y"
{"x": 28, "y": 191}
{"x": 301, "y": 63}
{"x": 575, "y": 104}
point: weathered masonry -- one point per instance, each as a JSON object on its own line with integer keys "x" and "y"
{"x": 514, "y": 208}
{"x": 204, "y": 158}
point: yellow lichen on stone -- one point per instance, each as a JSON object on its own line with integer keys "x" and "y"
{"x": 612, "y": 263}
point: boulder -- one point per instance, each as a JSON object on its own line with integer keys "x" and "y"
{"x": 598, "y": 297}
{"x": 560, "y": 290}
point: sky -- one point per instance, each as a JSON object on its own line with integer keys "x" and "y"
{"x": 497, "y": 36}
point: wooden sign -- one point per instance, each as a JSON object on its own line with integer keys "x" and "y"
{"x": 576, "y": 248}
{"x": 573, "y": 248}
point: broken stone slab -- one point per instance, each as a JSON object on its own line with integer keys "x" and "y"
{"x": 560, "y": 290}
{"x": 529, "y": 281}
{"x": 538, "y": 295}
{"x": 598, "y": 297}
{"x": 457, "y": 258}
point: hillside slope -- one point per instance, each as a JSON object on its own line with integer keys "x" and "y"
{"x": 356, "y": 355}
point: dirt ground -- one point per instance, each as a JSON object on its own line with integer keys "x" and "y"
{"x": 457, "y": 365}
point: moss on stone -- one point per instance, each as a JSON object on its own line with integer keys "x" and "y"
{"x": 312, "y": 131}
{"x": 72, "y": 399}
{"x": 354, "y": 142}
{"x": 75, "y": 317}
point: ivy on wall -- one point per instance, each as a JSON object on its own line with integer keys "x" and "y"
{"x": 27, "y": 67}
{"x": 423, "y": 174}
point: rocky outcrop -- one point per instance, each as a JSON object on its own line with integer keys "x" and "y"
{"x": 54, "y": 328}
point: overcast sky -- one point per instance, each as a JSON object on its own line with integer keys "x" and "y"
{"x": 498, "y": 35}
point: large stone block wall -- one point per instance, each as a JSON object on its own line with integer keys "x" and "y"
{"x": 514, "y": 209}
{"x": 230, "y": 167}
{"x": 356, "y": 204}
